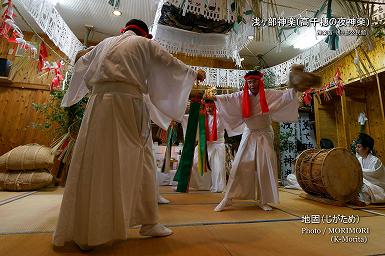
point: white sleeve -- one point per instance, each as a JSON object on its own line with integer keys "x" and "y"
{"x": 283, "y": 105}
{"x": 230, "y": 112}
{"x": 77, "y": 87}
{"x": 169, "y": 84}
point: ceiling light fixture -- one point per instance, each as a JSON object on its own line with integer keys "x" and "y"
{"x": 250, "y": 37}
{"x": 117, "y": 12}
{"x": 115, "y": 4}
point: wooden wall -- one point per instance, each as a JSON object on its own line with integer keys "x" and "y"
{"x": 17, "y": 116}
{"x": 17, "y": 96}
{"x": 326, "y": 113}
{"x": 337, "y": 119}
{"x": 347, "y": 68}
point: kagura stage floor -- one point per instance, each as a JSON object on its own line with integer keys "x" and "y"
{"x": 27, "y": 221}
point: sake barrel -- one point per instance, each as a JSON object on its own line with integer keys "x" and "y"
{"x": 334, "y": 173}
{"x": 27, "y": 157}
{"x": 25, "y": 180}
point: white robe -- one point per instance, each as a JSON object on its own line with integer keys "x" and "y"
{"x": 215, "y": 178}
{"x": 111, "y": 181}
{"x": 373, "y": 189}
{"x": 291, "y": 179}
{"x": 254, "y": 171}
{"x": 292, "y": 182}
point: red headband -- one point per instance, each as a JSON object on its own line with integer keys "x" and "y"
{"x": 139, "y": 29}
{"x": 262, "y": 97}
{"x": 256, "y": 77}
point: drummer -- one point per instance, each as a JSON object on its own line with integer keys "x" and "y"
{"x": 373, "y": 189}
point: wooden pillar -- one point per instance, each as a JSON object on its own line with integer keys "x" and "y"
{"x": 317, "y": 120}
{"x": 381, "y": 98}
{"x": 343, "y": 138}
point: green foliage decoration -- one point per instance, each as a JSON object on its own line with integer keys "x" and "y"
{"x": 58, "y": 118}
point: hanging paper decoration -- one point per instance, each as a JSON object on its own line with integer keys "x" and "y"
{"x": 43, "y": 54}
{"x": 360, "y": 68}
{"x": 10, "y": 31}
{"x": 55, "y": 84}
{"x": 339, "y": 83}
{"x": 56, "y": 69}
{"x": 325, "y": 93}
{"x": 53, "y": 25}
{"x": 8, "y": 27}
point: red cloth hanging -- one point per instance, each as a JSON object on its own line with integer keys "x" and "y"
{"x": 211, "y": 135}
{"x": 246, "y": 101}
{"x": 307, "y": 97}
{"x": 262, "y": 97}
{"x": 43, "y": 54}
{"x": 163, "y": 136}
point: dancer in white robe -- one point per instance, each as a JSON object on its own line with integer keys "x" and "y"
{"x": 373, "y": 189}
{"x": 215, "y": 178}
{"x": 254, "y": 171}
{"x": 111, "y": 181}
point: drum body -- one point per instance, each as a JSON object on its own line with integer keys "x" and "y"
{"x": 334, "y": 173}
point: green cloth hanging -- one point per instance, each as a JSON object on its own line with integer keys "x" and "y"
{"x": 329, "y": 10}
{"x": 202, "y": 144}
{"x": 183, "y": 173}
{"x": 333, "y": 39}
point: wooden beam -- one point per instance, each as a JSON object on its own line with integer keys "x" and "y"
{"x": 5, "y": 80}
{"x": 24, "y": 85}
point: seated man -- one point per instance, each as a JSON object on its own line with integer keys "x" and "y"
{"x": 373, "y": 189}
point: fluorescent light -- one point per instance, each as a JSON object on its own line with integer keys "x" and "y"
{"x": 308, "y": 38}
{"x": 250, "y": 37}
{"x": 117, "y": 12}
